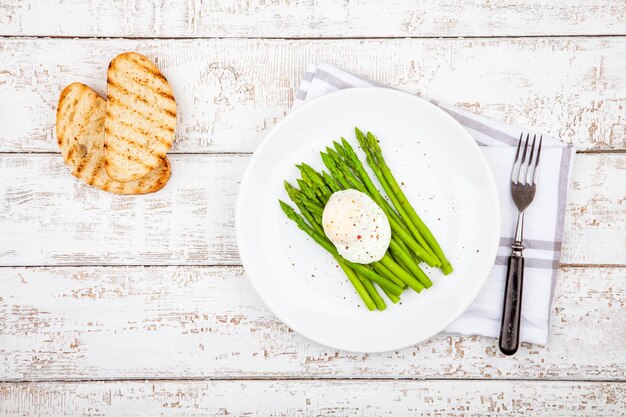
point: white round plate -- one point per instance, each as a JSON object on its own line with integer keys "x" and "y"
{"x": 447, "y": 180}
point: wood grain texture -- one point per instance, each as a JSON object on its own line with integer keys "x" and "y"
{"x": 49, "y": 218}
{"x": 309, "y": 18}
{"x": 313, "y": 398}
{"x": 76, "y": 320}
{"x": 597, "y": 205}
{"x": 208, "y": 322}
{"x": 52, "y": 218}
{"x": 230, "y": 92}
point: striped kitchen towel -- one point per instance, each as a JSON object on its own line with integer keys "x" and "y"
{"x": 543, "y": 230}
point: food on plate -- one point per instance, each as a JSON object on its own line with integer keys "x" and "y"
{"x": 324, "y": 197}
{"x": 356, "y": 226}
{"x": 80, "y": 134}
{"x": 140, "y": 117}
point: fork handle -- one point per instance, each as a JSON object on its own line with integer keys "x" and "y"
{"x": 512, "y": 310}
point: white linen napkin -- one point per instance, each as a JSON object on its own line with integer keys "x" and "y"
{"x": 543, "y": 229}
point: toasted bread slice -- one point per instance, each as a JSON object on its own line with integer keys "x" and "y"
{"x": 80, "y": 134}
{"x": 140, "y": 117}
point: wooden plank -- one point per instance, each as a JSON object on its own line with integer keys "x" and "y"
{"x": 326, "y": 18}
{"x": 230, "y": 92}
{"x": 313, "y": 398}
{"x": 596, "y": 211}
{"x": 49, "y": 218}
{"x": 207, "y": 322}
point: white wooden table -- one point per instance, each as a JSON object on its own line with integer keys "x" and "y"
{"x": 115, "y": 305}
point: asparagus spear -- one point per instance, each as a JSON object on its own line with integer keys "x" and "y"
{"x": 311, "y": 183}
{"x": 297, "y": 197}
{"x": 401, "y": 273}
{"x": 408, "y": 263}
{"x": 385, "y": 272}
{"x": 358, "y": 286}
{"x": 446, "y": 267}
{"x": 344, "y": 169}
{"x": 308, "y": 191}
{"x": 371, "y": 290}
{"x": 316, "y": 178}
{"x": 332, "y": 167}
{"x": 331, "y": 182}
{"x": 394, "y": 298}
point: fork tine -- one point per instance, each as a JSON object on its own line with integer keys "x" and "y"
{"x": 531, "y": 164}
{"x": 536, "y": 169}
{"x": 514, "y": 172}
{"x": 519, "y": 145}
{"x": 523, "y": 168}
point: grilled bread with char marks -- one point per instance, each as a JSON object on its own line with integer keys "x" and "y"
{"x": 80, "y": 134}
{"x": 140, "y": 117}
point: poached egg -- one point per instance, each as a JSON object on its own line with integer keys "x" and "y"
{"x": 357, "y": 226}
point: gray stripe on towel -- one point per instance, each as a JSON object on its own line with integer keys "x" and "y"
{"x": 483, "y": 128}
{"x": 566, "y": 160}
{"x": 301, "y": 94}
{"x": 308, "y": 76}
{"x": 531, "y": 263}
{"x": 330, "y": 79}
{"x": 534, "y": 244}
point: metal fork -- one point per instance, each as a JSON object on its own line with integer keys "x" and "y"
{"x": 523, "y": 187}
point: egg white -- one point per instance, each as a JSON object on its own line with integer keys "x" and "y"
{"x": 357, "y": 226}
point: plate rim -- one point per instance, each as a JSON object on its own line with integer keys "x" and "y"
{"x": 266, "y": 140}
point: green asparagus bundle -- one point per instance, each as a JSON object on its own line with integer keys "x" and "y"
{"x": 411, "y": 240}
{"x": 421, "y": 232}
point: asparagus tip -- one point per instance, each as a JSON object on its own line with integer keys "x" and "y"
{"x": 286, "y": 208}
{"x": 373, "y": 142}
{"x": 348, "y": 150}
